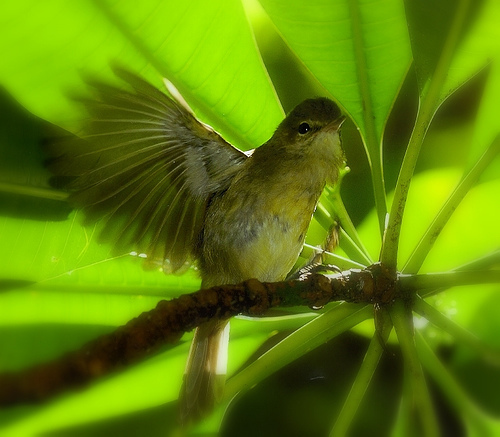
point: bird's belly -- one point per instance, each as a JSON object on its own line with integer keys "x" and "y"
{"x": 254, "y": 237}
{"x": 272, "y": 252}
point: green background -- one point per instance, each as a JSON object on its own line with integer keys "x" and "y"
{"x": 241, "y": 67}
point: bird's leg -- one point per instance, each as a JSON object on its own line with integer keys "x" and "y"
{"x": 316, "y": 262}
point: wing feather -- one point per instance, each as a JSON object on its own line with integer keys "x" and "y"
{"x": 145, "y": 168}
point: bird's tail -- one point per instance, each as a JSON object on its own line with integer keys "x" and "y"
{"x": 205, "y": 374}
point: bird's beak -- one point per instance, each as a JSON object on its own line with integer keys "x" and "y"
{"x": 335, "y": 124}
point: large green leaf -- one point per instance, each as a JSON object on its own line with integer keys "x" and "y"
{"x": 66, "y": 254}
{"x": 359, "y": 51}
{"x": 205, "y": 48}
{"x": 453, "y": 42}
{"x": 480, "y": 46}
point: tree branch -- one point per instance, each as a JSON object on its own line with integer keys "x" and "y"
{"x": 166, "y": 324}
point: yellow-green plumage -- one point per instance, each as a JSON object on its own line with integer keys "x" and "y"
{"x": 256, "y": 228}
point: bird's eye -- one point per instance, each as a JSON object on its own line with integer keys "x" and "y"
{"x": 304, "y": 128}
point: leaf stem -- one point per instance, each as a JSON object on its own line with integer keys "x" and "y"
{"x": 390, "y": 240}
{"x": 478, "y": 271}
{"x": 352, "y": 250}
{"x": 425, "y": 244}
{"x": 333, "y": 258}
{"x": 372, "y": 145}
{"x": 456, "y": 331}
{"x": 430, "y": 99}
{"x": 325, "y": 215}
{"x": 485, "y": 262}
{"x": 403, "y": 323}
{"x": 363, "y": 378}
{"x": 448, "y": 279}
{"x": 347, "y": 225}
{"x": 326, "y": 326}
{"x": 455, "y": 394}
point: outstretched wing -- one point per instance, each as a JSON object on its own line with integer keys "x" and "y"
{"x": 147, "y": 168}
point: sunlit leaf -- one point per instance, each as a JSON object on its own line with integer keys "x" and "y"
{"x": 456, "y": 39}
{"x": 205, "y": 48}
{"x": 487, "y": 126}
{"x": 359, "y": 51}
{"x": 469, "y": 234}
{"x": 148, "y": 384}
{"x": 479, "y": 47}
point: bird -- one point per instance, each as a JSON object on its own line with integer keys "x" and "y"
{"x": 162, "y": 183}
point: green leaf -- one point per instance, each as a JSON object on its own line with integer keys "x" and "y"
{"x": 433, "y": 63}
{"x": 360, "y": 52}
{"x": 211, "y": 57}
{"x": 24, "y": 187}
{"x": 470, "y": 233}
{"x": 441, "y": 219}
{"x": 455, "y": 40}
{"x": 487, "y": 127}
{"x": 479, "y": 47}
{"x": 421, "y": 399}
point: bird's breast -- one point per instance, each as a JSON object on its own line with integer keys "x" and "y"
{"x": 256, "y": 234}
